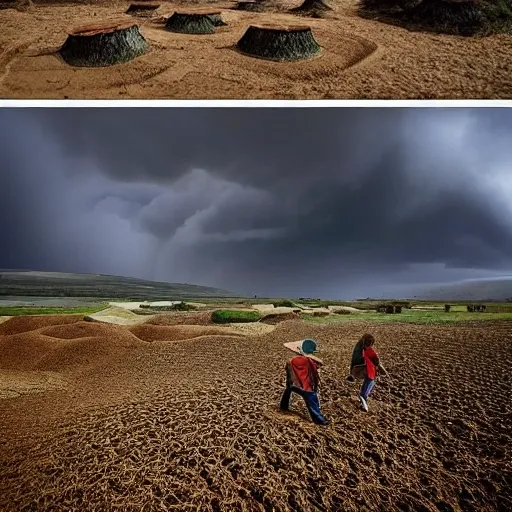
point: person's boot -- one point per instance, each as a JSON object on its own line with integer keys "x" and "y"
{"x": 364, "y": 404}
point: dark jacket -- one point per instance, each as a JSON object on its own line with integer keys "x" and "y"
{"x": 357, "y": 355}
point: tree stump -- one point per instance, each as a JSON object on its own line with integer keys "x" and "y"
{"x": 190, "y": 23}
{"x": 142, "y": 8}
{"x": 214, "y": 15}
{"x": 104, "y": 44}
{"x": 251, "y": 5}
{"x": 462, "y": 17}
{"x": 216, "y": 19}
{"x": 279, "y": 43}
{"x": 314, "y": 8}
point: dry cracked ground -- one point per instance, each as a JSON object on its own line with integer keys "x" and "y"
{"x": 193, "y": 424}
{"x": 361, "y": 58}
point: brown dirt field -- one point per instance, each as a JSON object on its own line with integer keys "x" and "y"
{"x": 181, "y": 319}
{"x": 178, "y": 332}
{"x": 14, "y": 383}
{"x": 19, "y": 324}
{"x": 361, "y": 59}
{"x": 195, "y": 426}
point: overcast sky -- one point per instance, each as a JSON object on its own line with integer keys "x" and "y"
{"x": 283, "y": 202}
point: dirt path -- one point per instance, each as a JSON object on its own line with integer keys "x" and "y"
{"x": 361, "y": 59}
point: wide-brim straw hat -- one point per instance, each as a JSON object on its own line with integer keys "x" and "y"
{"x": 304, "y": 347}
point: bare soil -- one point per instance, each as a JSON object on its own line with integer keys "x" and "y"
{"x": 194, "y": 425}
{"x": 361, "y": 58}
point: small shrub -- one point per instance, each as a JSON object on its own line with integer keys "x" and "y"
{"x": 342, "y": 312}
{"x": 226, "y": 316}
{"x": 284, "y": 303}
{"x": 182, "y": 306}
{"x": 403, "y": 304}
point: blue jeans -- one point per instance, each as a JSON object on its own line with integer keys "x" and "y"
{"x": 366, "y": 388}
{"x": 311, "y": 399}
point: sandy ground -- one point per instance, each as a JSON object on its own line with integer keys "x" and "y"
{"x": 195, "y": 426}
{"x": 361, "y": 59}
{"x": 119, "y": 316}
{"x": 15, "y": 383}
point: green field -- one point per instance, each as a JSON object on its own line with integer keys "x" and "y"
{"x": 234, "y": 316}
{"x": 28, "y": 310}
{"x": 412, "y": 317}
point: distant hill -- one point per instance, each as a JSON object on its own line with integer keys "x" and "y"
{"x": 58, "y": 284}
{"x": 483, "y": 290}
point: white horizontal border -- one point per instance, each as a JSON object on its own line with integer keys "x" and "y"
{"x": 254, "y": 103}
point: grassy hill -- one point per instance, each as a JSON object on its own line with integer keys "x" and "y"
{"x": 59, "y": 284}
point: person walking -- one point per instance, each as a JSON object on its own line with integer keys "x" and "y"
{"x": 365, "y": 365}
{"x": 303, "y": 379}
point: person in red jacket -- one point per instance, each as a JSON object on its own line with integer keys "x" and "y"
{"x": 373, "y": 365}
{"x": 302, "y": 378}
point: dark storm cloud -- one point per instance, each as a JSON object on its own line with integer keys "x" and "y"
{"x": 279, "y": 201}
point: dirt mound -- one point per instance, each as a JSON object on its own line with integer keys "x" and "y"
{"x": 86, "y": 353}
{"x": 177, "y": 332}
{"x": 24, "y": 351}
{"x": 117, "y": 316}
{"x": 80, "y": 330}
{"x": 275, "y": 319}
{"x": 181, "y": 319}
{"x": 19, "y": 324}
{"x": 68, "y": 346}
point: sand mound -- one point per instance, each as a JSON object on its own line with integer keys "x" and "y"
{"x": 263, "y": 307}
{"x": 85, "y": 353}
{"x": 277, "y": 318}
{"x": 251, "y": 329}
{"x": 66, "y": 345}
{"x": 181, "y": 319}
{"x": 178, "y": 332}
{"x": 24, "y": 351}
{"x": 14, "y": 383}
{"x": 78, "y": 330}
{"x": 118, "y": 316}
{"x": 19, "y": 324}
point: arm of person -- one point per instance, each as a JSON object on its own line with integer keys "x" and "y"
{"x": 376, "y": 361}
{"x": 382, "y": 370}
